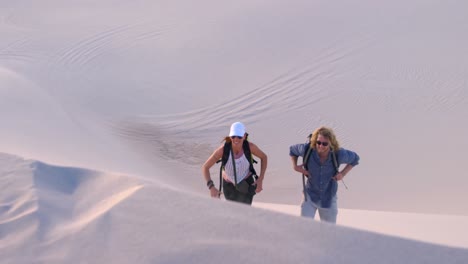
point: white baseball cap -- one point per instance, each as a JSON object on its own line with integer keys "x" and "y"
{"x": 237, "y": 129}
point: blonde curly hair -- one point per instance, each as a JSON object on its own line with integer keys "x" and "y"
{"x": 327, "y": 133}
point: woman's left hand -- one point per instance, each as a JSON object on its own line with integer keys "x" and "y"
{"x": 338, "y": 177}
{"x": 259, "y": 186}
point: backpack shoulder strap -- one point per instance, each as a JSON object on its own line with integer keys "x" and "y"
{"x": 305, "y": 160}
{"x": 335, "y": 161}
{"x": 307, "y": 152}
{"x": 226, "y": 151}
{"x": 336, "y": 165}
{"x": 248, "y": 155}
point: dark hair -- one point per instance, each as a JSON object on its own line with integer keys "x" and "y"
{"x": 228, "y": 138}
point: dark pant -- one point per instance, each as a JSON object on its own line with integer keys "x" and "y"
{"x": 232, "y": 194}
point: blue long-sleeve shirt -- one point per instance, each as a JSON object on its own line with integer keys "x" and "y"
{"x": 320, "y": 185}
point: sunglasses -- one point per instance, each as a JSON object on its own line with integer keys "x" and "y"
{"x": 238, "y": 137}
{"x": 322, "y": 143}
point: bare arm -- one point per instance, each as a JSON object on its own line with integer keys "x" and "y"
{"x": 263, "y": 164}
{"x": 217, "y": 154}
{"x": 298, "y": 168}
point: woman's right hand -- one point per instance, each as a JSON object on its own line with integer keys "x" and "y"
{"x": 214, "y": 192}
{"x": 300, "y": 168}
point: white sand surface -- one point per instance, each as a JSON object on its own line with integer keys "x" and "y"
{"x": 108, "y": 109}
{"x": 437, "y": 229}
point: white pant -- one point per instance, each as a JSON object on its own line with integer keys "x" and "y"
{"x": 309, "y": 208}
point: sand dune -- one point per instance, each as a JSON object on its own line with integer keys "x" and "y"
{"x": 77, "y": 215}
{"x": 437, "y": 229}
{"x": 56, "y": 201}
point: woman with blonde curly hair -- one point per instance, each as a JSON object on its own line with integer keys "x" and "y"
{"x": 323, "y": 157}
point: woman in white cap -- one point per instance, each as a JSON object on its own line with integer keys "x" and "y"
{"x": 239, "y": 179}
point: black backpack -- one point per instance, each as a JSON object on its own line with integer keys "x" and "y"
{"x": 248, "y": 154}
